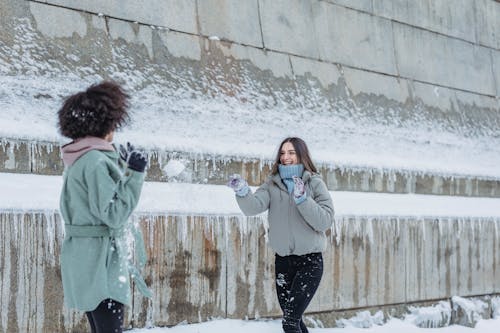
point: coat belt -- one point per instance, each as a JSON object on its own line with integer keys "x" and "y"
{"x": 91, "y": 231}
{"x": 105, "y": 231}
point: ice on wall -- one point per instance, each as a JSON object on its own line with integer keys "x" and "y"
{"x": 495, "y": 307}
{"x": 363, "y": 319}
{"x": 438, "y": 315}
{"x": 468, "y": 312}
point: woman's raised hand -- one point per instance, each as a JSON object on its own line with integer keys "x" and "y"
{"x": 238, "y": 184}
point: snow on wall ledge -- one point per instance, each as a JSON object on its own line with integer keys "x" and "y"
{"x": 44, "y": 158}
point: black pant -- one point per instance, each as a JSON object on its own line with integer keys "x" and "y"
{"x": 107, "y": 317}
{"x": 297, "y": 279}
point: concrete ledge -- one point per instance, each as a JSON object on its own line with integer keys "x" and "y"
{"x": 19, "y": 156}
{"x": 205, "y": 266}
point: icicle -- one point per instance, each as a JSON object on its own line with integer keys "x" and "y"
{"x": 335, "y": 234}
{"x": 150, "y": 310}
{"x": 5, "y": 281}
{"x": 50, "y": 230}
{"x": 369, "y": 229}
{"x": 423, "y": 223}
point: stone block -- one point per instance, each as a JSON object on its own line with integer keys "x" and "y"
{"x": 181, "y": 45}
{"x": 288, "y": 26}
{"x": 487, "y": 16}
{"x": 327, "y": 74}
{"x": 432, "y": 58}
{"x": 176, "y": 15}
{"x": 495, "y": 55}
{"x": 232, "y": 20}
{"x": 354, "y": 38}
{"x": 452, "y": 18}
{"x": 362, "y": 82}
{"x": 277, "y": 63}
{"x": 58, "y": 22}
{"x": 131, "y": 33}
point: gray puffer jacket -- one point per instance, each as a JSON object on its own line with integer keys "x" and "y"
{"x": 293, "y": 229}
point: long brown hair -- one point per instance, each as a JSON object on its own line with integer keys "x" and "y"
{"x": 302, "y": 155}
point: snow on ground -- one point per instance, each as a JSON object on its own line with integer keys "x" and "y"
{"x": 36, "y": 192}
{"x": 274, "y": 326}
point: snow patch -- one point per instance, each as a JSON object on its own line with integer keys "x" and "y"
{"x": 362, "y": 319}
{"x": 495, "y": 307}
{"x": 438, "y": 315}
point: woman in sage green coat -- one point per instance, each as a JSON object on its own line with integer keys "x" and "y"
{"x": 101, "y": 188}
{"x": 300, "y": 211}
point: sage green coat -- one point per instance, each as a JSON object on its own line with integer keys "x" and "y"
{"x": 293, "y": 228}
{"x": 97, "y": 198}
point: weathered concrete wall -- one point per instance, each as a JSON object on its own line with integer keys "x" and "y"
{"x": 36, "y": 157}
{"x": 357, "y": 59}
{"x": 201, "y": 267}
{"x": 379, "y": 36}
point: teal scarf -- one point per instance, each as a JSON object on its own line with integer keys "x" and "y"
{"x": 287, "y": 172}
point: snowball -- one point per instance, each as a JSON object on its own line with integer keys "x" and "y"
{"x": 174, "y": 168}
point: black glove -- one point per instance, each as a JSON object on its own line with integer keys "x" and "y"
{"x": 137, "y": 161}
{"x": 125, "y": 152}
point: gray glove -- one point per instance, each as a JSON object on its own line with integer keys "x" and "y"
{"x": 238, "y": 184}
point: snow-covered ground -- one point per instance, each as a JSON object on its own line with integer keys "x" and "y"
{"x": 274, "y": 326}
{"x": 432, "y": 316}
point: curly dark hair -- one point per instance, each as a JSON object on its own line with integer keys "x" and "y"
{"x": 97, "y": 111}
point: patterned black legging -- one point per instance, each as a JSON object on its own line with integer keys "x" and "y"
{"x": 107, "y": 317}
{"x": 297, "y": 279}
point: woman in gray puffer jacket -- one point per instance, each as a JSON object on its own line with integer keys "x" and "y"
{"x": 300, "y": 211}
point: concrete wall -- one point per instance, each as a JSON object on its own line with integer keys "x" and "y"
{"x": 408, "y": 64}
{"x": 201, "y": 267}
{"x": 376, "y": 37}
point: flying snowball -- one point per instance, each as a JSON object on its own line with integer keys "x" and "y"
{"x": 173, "y": 168}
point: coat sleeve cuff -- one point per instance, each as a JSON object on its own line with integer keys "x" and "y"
{"x": 301, "y": 199}
{"x": 243, "y": 192}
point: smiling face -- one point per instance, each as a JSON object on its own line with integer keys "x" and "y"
{"x": 288, "y": 155}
